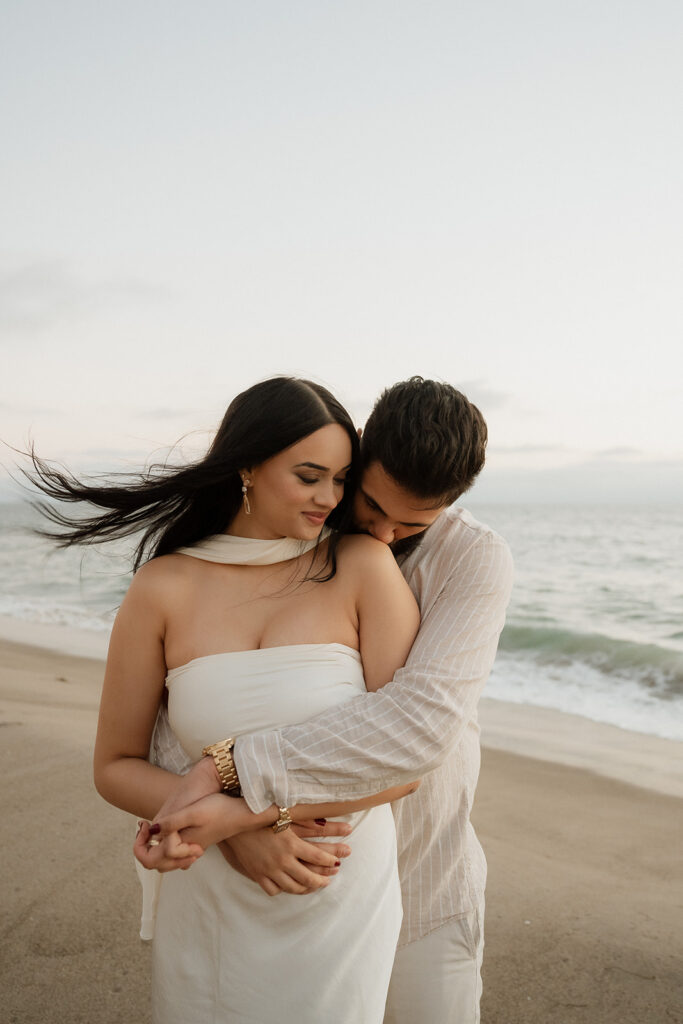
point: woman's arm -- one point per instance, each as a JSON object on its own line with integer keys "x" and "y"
{"x": 133, "y": 685}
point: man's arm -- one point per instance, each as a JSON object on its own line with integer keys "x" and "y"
{"x": 407, "y": 728}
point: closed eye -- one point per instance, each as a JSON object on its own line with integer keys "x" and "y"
{"x": 314, "y": 480}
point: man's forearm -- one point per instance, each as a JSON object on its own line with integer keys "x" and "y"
{"x": 406, "y": 729}
{"x": 385, "y": 739}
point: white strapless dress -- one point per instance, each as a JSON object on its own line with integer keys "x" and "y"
{"x": 224, "y": 951}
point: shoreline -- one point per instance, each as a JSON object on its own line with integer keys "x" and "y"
{"x": 581, "y": 923}
{"x": 545, "y": 734}
{"x": 44, "y": 636}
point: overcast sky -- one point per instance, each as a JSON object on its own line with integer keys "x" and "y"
{"x": 198, "y": 195}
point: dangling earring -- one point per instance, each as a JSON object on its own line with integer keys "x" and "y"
{"x": 245, "y": 498}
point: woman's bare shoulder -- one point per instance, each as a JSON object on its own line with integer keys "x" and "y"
{"x": 163, "y": 567}
{"x": 153, "y": 579}
{"x": 360, "y": 552}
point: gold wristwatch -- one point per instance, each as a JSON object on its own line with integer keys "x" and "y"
{"x": 225, "y": 766}
{"x": 284, "y": 820}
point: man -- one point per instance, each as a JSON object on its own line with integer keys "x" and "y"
{"x": 423, "y": 446}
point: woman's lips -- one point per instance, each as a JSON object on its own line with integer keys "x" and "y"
{"x": 317, "y": 518}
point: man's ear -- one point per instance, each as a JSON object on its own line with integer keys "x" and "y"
{"x": 360, "y": 432}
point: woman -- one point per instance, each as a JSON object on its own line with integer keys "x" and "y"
{"x": 252, "y": 617}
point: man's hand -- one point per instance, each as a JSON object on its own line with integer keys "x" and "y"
{"x": 288, "y": 861}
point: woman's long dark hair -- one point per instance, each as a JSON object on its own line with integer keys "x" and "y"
{"x": 175, "y": 507}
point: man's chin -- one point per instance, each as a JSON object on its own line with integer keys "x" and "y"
{"x": 401, "y": 548}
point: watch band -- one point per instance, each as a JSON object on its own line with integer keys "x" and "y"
{"x": 283, "y": 822}
{"x": 225, "y": 766}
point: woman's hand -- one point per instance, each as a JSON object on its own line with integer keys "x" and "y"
{"x": 167, "y": 854}
{"x": 209, "y": 820}
{"x": 201, "y": 780}
{"x": 172, "y": 851}
{"x": 288, "y": 861}
{"x": 178, "y": 839}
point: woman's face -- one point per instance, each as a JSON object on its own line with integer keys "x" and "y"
{"x": 292, "y": 494}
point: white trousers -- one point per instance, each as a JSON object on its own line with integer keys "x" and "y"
{"x": 437, "y": 978}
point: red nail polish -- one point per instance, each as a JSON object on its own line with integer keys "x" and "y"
{"x": 337, "y": 863}
{"x": 155, "y": 829}
{"x": 321, "y": 821}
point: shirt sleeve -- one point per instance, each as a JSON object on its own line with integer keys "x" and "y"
{"x": 407, "y": 728}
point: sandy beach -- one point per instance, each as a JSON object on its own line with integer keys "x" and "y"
{"x": 582, "y": 825}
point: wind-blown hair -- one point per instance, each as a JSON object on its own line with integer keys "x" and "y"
{"x": 175, "y": 507}
{"x": 428, "y": 437}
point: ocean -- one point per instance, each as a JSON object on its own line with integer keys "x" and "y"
{"x": 594, "y": 627}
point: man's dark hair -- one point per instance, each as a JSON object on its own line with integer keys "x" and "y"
{"x": 428, "y": 437}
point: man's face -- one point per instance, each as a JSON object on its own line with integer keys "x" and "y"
{"x": 388, "y": 512}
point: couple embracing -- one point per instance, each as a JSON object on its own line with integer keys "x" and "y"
{"x": 316, "y": 622}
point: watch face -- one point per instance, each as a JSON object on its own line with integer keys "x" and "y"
{"x": 216, "y": 748}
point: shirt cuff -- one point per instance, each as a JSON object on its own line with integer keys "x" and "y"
{"x": 261, "y": 770}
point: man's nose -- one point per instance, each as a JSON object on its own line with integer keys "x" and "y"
{"x": 383, "y": 531}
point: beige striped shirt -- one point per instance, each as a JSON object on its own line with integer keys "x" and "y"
{"x": 423, "y": 724}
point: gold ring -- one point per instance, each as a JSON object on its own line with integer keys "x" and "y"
{"x": 154, "y": 842}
